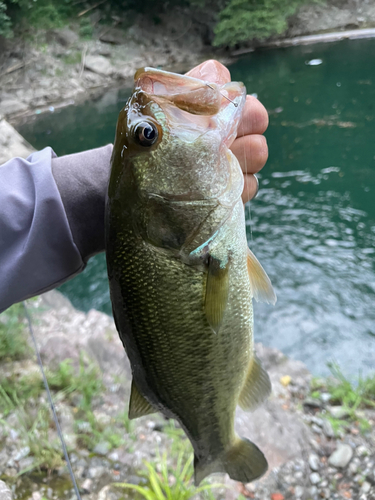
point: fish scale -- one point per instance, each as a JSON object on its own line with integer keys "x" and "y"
{"x": 179, "y": 272}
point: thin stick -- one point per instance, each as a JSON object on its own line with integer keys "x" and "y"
{"x": 90, "y": 8}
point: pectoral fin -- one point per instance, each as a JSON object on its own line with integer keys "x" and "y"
{"x": 138, "y": 406}
{"x": 257, "y": 386}
{"x": 260, "y": 283}
{"x": 217, "y": 290}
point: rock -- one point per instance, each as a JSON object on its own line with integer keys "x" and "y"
{"x": 22, "y": 453}
{"x": 314, "y": 478}
{"x": 328, "y": 429}
{"x": 102, "y": 448}
{"x": 99, "y": 65}
{"x": 96, "y": 472}
{"x": 108, "y": 494}
{"x": 315, "y": 428}
{"x": 64, "y": 36}
{"x": 26, "y": 463}
{"x": 312, "y": 403}
{"x": 362, "y": 451}
{"x": 279, "y": 434}
{"x": 86, "y": 486}
{"x": 11, "y": 106}
{"x": 341, "y": 457}
{"x": 338, "y": 411}
{"x": 12, "y": 143}
{"x": 314, "y": 462}
{"x": 5, "y": 493}
{"x": 58, "y": 349}
{"x": 114, "y": 36}
{"x": 299, "y": 491}
{"x": 366, "y": 487}
{"x": 325, "y": 397}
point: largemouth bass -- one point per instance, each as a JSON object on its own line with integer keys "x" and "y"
{"x": 181, "y": 275}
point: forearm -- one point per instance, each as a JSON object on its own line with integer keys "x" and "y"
{"x": 51, "y": 219}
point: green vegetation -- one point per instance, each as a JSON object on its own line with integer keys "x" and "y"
{"x": 349, "y": 395}
{"x": 171, "y": 481}
{"x": 21, "y": 397}
{"x": 13, "y": 336}
{"x": 352, "y": 397}
{"x": 243, "y": 20}
{"x": 232, "y": 21}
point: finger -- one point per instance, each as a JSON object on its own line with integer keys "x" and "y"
{"x": 211, "y": 71}
{"x": 250, "y": 189}
{"x": 254, "y": 118}
{"x": 251, "y": 152}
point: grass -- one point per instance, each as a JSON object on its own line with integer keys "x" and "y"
{"x": 13, "y": 336}
{"x": 21, "y": 396}
{"x": 171, "y": 481}
{"x": 353, "y": 397}
{"x": 33, "y": 427}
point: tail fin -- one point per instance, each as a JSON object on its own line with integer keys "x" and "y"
{"x": 243, "y": 462}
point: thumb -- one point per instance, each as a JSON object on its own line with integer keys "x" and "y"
{"x": 211, "y": 71}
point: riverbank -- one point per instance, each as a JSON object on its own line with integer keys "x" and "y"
{"x": 59, "y": 67}
{"x": 316, "y": 446}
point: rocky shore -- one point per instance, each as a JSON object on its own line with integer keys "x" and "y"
{"x": 313, "y": 448}
{"x": 60, "y": 67}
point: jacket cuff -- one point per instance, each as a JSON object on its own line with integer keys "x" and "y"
{"x": 82, "y": 180}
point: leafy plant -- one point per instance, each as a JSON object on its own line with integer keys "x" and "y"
{"x": 349, "y": 395}
{"x": 33, "y": 427}
{"x": 173, "y": 482}
{"x": 243, "y": 20}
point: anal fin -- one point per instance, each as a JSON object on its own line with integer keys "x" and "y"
{"x": 260, "y": 283}
{"x": 257, "y": 386}
{"x": 138, "y": 405}
{"x": 217, "y": 290}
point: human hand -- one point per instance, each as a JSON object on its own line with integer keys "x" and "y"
{"x": 250, "y": 146}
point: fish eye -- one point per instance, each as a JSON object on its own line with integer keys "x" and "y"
{"x": 146, "y": 134}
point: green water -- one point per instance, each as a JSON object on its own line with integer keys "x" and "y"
{"x": 313, "y": 224}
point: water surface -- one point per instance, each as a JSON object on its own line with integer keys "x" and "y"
{"x": 313, "y": 223}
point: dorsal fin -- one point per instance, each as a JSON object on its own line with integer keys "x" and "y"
{"x": 260, "y": 283}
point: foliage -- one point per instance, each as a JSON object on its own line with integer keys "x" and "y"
{"x": 173, "y": 482}
{"x": 13, "y": 337}
{"x": 236, "y": 20}
{"x": 87, "y": 383}
{"x": 349, "y": 395}
{"x": 33, "y": 427}
{"x": 242, "y": 20}
{"x": 5, "y": 22}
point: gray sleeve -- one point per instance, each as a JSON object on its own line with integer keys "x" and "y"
{"x": 37, "y": 249}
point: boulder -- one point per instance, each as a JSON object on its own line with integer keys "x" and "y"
{"x": 5, "y": 493}
{"x": 115, "y": 36}
{"x": 64, "y": 36}
{"x": 11, "y": 106}
{"x": 99, "y": 65}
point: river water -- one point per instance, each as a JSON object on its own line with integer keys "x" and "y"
{"x": 313, "y": 223}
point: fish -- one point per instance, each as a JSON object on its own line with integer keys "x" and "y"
{"x": 181, "y": 275}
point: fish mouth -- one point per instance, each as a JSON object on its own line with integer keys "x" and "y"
{"x": 192, "y": 103}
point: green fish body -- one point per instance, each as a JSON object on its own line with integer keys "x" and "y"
{"x": 181, "y": 275}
